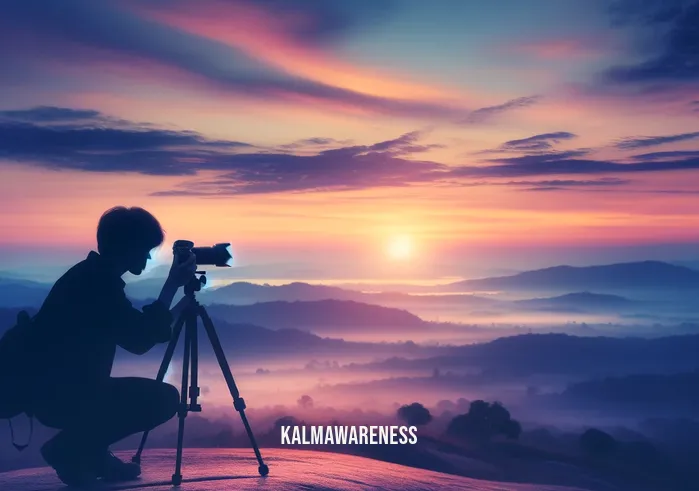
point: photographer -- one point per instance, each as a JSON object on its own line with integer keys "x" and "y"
{"x": 75, "y": 334}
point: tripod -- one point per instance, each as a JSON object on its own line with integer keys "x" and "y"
{"x": 190, "y": 361}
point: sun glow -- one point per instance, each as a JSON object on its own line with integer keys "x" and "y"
{"x": 400, "y": 248}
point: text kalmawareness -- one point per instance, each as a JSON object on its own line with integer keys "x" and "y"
{"x": 348, "y": 435}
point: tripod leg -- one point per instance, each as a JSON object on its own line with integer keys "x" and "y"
{"x": 194, "y": 374}
{"x": 167, "y": 358}
{"x": 238, "y": 401}
{"x": 190, "y": 330}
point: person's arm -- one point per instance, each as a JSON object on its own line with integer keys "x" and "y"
{"x": 137, "y": 331}
{"x": 167, "y": 293}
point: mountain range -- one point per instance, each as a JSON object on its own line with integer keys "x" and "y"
{"x": 634, "y": 275}
{"x": 645, "y": 275}
{"x": 526, "y": 354}
{"x": 579, "y": 301}
{"x": 318, "y": 315}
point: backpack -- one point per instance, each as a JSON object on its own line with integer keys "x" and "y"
{"x": 14, "y": 380}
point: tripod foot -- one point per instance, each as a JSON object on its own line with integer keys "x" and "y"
{"x": 263, "y": 470}
{"x": 176, "y": 479}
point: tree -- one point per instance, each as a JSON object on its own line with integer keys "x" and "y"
{"x": 305, "y": 402}
{"x": 285, "y": 421}
{"x": 512, "y": 429}
{"x": 415, "y": 414}
{"x": 484, "y": 421}
{"x": 597, "y": 443}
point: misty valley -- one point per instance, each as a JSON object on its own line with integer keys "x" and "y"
{"x": 593, "y": 370}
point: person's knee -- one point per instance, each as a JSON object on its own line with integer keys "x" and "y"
{"x": 169, "y": 401}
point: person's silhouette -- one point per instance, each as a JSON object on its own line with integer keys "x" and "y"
{"x": 84, "y": 318}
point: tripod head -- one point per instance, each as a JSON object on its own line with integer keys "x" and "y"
{"x": 195, "y": 283}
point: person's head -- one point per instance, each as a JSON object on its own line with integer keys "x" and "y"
{"x": 126, "y": 236}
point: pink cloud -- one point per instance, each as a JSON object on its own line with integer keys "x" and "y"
{"x": 271, "y": 38}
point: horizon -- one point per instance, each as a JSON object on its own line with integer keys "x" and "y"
{"x": 157, "y": 270}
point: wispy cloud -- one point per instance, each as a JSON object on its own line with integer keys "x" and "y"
{"x": 83, "y": 33}
{"x": 485, "y": 113}
{"x": 314, "y": 143}
{"x": 652, "y": 141}
{"x": 568, "y": 163}
{"x": 90, "y": 141}
{"x": 561, "y": 183}
{"x": 42, "y": 114}
{"x": 542, "y": 142}
{"x": 222, "y": 167}
{"x": 674, "y": 154}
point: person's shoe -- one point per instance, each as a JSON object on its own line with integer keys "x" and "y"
{"x": 111, "y": 468}
{"x": 70, "y": 468}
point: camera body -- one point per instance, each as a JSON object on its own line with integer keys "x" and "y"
{"x": 217, "y": 255}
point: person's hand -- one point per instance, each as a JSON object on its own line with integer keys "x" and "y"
{"x": 182, "y": 272}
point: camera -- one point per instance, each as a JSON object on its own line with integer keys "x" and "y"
{"x": 216, "y": 255}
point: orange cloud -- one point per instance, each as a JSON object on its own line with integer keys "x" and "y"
{"x": 267, "y": 36}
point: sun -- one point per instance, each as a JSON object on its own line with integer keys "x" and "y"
{"x": 400, "y": 248}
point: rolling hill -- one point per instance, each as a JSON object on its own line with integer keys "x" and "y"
{"x": 645, "y": 274}
{"x": 581, "y": 301}
{"x": 317, "y": 315}
{"x": 242, "y": 293}
{"x": 15, "y": 292}
{"x": 528, "y": 354}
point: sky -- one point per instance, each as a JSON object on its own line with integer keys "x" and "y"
{"x": 366, "y": 139}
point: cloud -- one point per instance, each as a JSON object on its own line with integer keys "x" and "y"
{"x": 676, "y": 59}
{"x": 91, "y": 35}
{"x": 541, "y": 142}
{"x": 667, "y": 155}
{"x": 652, "y": 141}
{"x": 564, "y": 183}
{"x": 311, "y": 21}
{"x": 568, "y": 163}
{"x": 330, "y": 20}
{"x": 144, "y": 150}
{"x": 50, "y": 114}
{"x": 87, "y": 140}
{"x": 314, "y": 143}
{"x": 485, "y": 113}
{"x": 94, "y": 142}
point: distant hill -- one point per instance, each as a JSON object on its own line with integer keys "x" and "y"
{"x": 397, "y": 298}
{"x": 244, "y": 340}
{"x": 317, "y": 315}
{"x": 244, "y": 293}
{"x": 645, "y": 274}
{"x": 673, "y": 391}
{"x": 528, "y": 354}
{"x": 16, "y": 292}
{"x": 577, "y": 302}
{"x": 145, "y": 288}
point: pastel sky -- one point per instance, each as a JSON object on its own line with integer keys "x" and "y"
{"x": 313, "y": 134}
